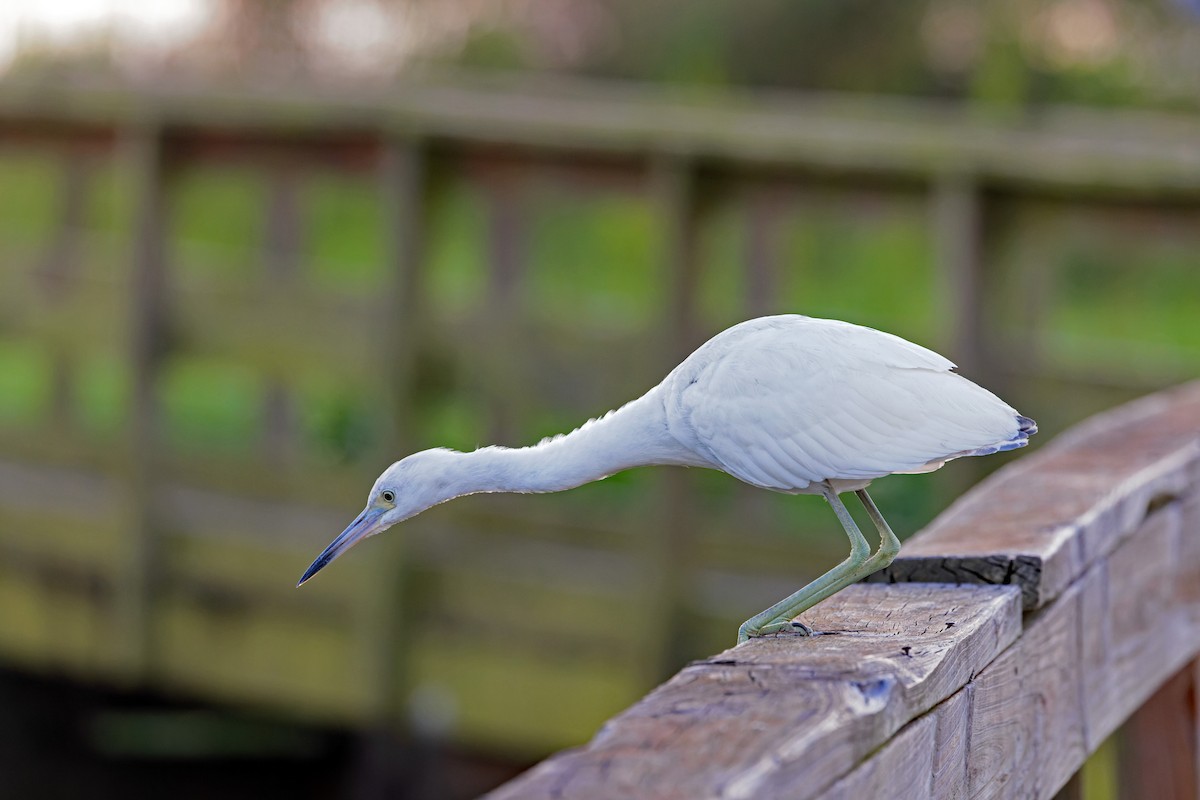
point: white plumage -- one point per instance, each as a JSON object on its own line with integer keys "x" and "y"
{"x": 788, "y": 403}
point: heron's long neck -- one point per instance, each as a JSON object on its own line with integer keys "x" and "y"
{"x": 634, "y": 435}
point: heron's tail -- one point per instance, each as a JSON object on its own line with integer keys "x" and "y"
{"x": 1026, "y": 427}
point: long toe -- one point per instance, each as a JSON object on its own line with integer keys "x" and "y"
{"x": 799, "y": 627}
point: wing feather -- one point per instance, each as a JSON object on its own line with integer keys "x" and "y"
{"x": 784, "y": 402}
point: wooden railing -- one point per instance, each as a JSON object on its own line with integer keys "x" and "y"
{"x": 134, "y": 555}
{"x": 1054, "y": 602}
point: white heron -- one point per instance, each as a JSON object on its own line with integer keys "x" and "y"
{"x": 788, "y": 403}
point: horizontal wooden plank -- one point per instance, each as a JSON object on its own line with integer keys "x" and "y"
{"x": 279, "y": 332}
{"x": 286, "y": 526}
{"x": 1151, "y": 154}
{"x": 57, "y": 541}
{"x": 34, "y": 488}
{"x": 65, "y": 519}
{"x": 1083, "y": 667}
{"x": 1026, "y": 724}
{"x": 81, "y": 324}
{"x": 1140, "y": 617}
{"x": 547, "y": 616}
{"x": 500, "y": 693}
{"x": 58, "y": 620}
{"x": 926, "y": 760}
{"x": 45, "y": 444}
{"x": 262, "y": 656}
{"x": 248, "y": 573}
{"x": 790, "y": 711}
{"x": 902, "y": 768}
{"x": 298, "y": 482}
{"x": 1040, "y": 522}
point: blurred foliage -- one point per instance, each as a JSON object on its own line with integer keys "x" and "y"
{"x": 592, "y": 265}
{"x": 996, "y": 53}
{"x": 1101, "y": 52}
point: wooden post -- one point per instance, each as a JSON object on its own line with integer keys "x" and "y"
{"x": 673, "y": 184}
{"x": 146, "y": 157}
{"x": 1158, "y": 743}
{"x": 406, "y": 188}
{"x": 958, "y": 233}
{"x": 1024, "y": 288}
{"x": 1074, "y": 790}
{"x": 281, "y": 254}
{"x": 957, "y": 221}
{"x": 764, "y": 206}
{"x": 62, "y": 261}
{"x": 403, "y": 185}
{"x": 506, "y": 237}
{"x": 59, "y": 270}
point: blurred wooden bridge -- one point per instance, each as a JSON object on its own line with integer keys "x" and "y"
{"x": 129, "y": 555}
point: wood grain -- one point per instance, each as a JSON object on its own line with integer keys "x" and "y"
{"x": 1082, "y": 667}
{"x": 926, "y": 759}
{"x": 904, "y": 767}
{"x": 788, "y": 716}
{"x": 1027, "y": 729}
{"x": 950, "y": 762}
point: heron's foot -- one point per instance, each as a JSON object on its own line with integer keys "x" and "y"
{"x": 793, "y": 625}
{"x": 745, "y": 632}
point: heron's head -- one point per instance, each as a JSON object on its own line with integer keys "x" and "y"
{"x": 404, "y": 490}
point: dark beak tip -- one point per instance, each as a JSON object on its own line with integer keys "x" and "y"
{"x": 345, "y": 540}
{"x": 310, "y": 572}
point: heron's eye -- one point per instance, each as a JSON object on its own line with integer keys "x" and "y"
{"x": 388, "y": 496}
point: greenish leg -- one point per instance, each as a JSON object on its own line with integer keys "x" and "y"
{"x": 889, "y": 545}
{"x": 779, "y": 616}
{"x": 856, "y": 567}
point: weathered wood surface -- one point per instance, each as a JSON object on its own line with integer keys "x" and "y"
{"x": 787, "y": 716}
{"x": 1082, "y": 666}
{"x": 930, "y": 690}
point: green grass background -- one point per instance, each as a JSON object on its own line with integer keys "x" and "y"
{"x": 1113, "y": 302}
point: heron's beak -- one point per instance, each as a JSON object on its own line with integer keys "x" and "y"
{"x": 367, "y": 523}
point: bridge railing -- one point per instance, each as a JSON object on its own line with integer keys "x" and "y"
{"x": 135, "y": 544}
{"x": 1056, "y": 601}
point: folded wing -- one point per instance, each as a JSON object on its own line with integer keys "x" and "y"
{"x": 798, "y": 400}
